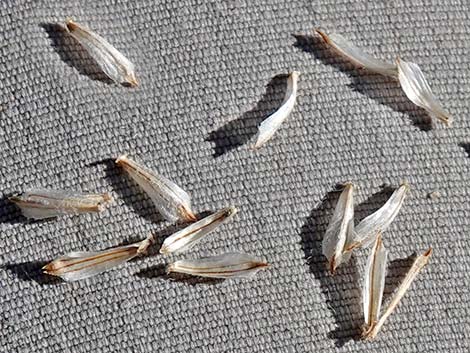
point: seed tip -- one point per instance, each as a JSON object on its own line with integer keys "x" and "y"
{"x": 132, "y": 80}
{"x": 333, "y": 266}
{"x": 295, "y": 74}
{"x": 47, "y": 268}
{"x": 14, "y": 199}
{"x": 368, "y": 332}
{"x": 322, "y": 34}
{"x": 257, "y": 144}
{"x": 70, "y": 24}
{"x": 121, "y": 159}
{"x": 187, "y": 214}
{"x": 263, "y": 264}
{"x": 352, "y": 246}
{"x": 230, "y": 211}
{"x": 447, "y": 120}
{"x": 405, "y": 184}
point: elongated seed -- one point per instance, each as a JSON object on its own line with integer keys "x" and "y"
{"x": 79, "y": 265}
{"x": 225, "y": 266}
{"x": 113, "y": 63}
{"x": 189, "y": 236}
{"x": 45, "y": 203}
{"x": 171, "y": 201}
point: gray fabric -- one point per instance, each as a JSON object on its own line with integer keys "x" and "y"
{"x": 206, "y": 70}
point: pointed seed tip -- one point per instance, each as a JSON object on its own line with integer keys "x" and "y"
{"x": 121, "y": 158}
{"x": 428, "y": 252}
{"x": 191, "y": 217}
{"x": 295, "y": 74}
{"x": 322, "y": 34}
{"x": 70, "y": 24}
{"x": 447, "y": 121}
{"x": 231, "y": 211}
{"x": 132, "y": 81}
{"x": 405, "y": 184}
{"x": 14, "y": 199}
{"x": 264, "y": 265}
{"x": 47, "y": 268}
{"x": 332, "y": 266}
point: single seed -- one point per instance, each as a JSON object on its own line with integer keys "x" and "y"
{"x": 225, "y": 266}
{"x": 113, "y": 63}
{"x": 44, "y": 203}
{"x": 79, "y": 265}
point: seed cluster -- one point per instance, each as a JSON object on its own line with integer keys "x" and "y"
{"x": 174, "y": 204}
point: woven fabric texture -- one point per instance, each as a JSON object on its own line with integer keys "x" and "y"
{"x": 209, "y": 72}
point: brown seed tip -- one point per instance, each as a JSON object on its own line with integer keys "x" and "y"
{"x": 368, "y": 332}
{"x": 353, "y": 246}
{"x": 187, "y": 215}
{"x": 263, "y": 265}
{"x": 428, "y": 252}
{"x": 132, "y": 80}
{"x": 71, "y": 25}
{"x": 323, "y": 35}
{"x": 48, "y": 268}
{"x": 333, "y": 266}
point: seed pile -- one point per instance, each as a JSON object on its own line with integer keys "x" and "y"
{"x": 342, "y": 237}
{"x": 170, "y": 200}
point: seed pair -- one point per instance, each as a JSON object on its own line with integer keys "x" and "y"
{"x": 228, "y": 265}
{"x": 342, "y": 237}
{"x": 175, "y": 205}
{"x": 374, "y": 284}
{"x": 117, "y": 67}
{"x": 409, "y": 75}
